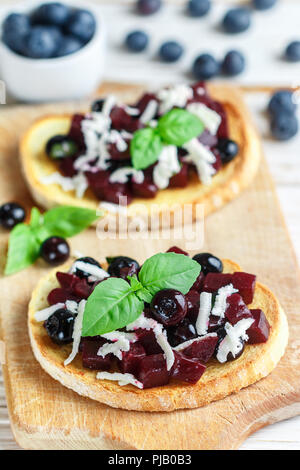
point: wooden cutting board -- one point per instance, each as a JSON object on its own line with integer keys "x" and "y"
{"x": 45, "y": 415}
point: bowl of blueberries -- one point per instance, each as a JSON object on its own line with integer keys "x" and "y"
{"x": 51, "y": 51}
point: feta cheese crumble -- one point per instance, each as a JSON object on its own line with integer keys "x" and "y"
{"x": 168, "y": 166}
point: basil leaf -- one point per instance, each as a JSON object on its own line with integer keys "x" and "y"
{"x": 169, "y": 271}
{"x": 179, "y": 126}
{"x": 67, "y": 221}
{"x": 144, "y": 295}
{"x": 111, "y": 306}
{"x": 36, "y": 218}
{"x": 145, "y": 148}
{"x": 23, "y": 249}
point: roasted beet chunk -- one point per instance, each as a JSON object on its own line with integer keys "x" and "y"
{"x": 147, "y": 189}
{"x": 90, "y": 358}
{"x": 177, "y": 250}
{"x": 153, "y": 371}
{"x": 187, "y": 369}
{"x": 148, "y": 341}
{"x": 259, "y": 330}
{"x": 236, "y": 309}
{"x": 198, "y": 284}
{"x": 193, "y": 304}
{"x": 203, "y": 348}
{"x": 245, "y": 283}
{"x": 131, "y": 359}
{"x": 60, "y": 295}
{"x": 81, "y": 289}
{"x": 180, "y": 180}
{"x": 66, "y": 280}
{"x": 75, "y": 130}
{"x": 214, "y": 281}
{"x": 168, "y": 307}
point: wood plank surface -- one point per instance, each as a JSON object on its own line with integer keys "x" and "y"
{"x": 44, "y": 414}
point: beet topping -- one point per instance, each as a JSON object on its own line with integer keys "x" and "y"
{"x": 124, "y": 122}
{"x": 175, "y": 316}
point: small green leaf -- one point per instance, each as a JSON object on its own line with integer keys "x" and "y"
{"x": 169, "y": 271}
{"x": 67, "y": 221}
{"x": 23, "y": 249}
{"x": 179, "y": 126}
{"x": 36, "y": 218}
{"x": 145, "y": 148}
{"x": 111, "y": 306}
{"x": 144, "y": 295}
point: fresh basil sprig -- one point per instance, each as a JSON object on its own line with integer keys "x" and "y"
{"x": 25, "y": 239}
{"x": 176, "y": 127}
{"x": 115, "y": 303}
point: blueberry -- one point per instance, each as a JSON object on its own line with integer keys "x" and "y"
{"x": 282, "y": 101}
{"x": 11, "y": 214}
{"x": 15, "y": 28}
{"x": 148, "y": 7}
{"x": 56, "y": 33}
{"x": 237, "y": 20}
{"x": 69, "y": 45}
{"x": 97, "y": 106}
{"x": 119, "y": 263}
{"x": 292, "y": 52}
{"x": 61, "y": 146}
{"x": 137, "y": 41}
{"x": 169, "y": 307}
{"x": 205, "y": 67}
{"x": 59, "y": 326}
{"x": 87, "y": 260}
{"x": 55, "y": 250}
{"x": 263, "y": 4}
{"x": 228, "y": 149}
{"x": 170, "y": 51}
{"x": 40, "y": 43}
{"x": 284, "y": 126}
{"x": 209, "y": 263}
{"x": 198, "y": 8}
{"x": 233, "y": 63}
{"x": 81, "y": 24}
{"x": 51, "y": 13}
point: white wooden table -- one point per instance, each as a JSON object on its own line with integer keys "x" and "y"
{"x": 262, "y": 46}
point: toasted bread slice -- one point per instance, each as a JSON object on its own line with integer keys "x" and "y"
{"x": 218, "y": 381}
{"x": 226, "y": 184}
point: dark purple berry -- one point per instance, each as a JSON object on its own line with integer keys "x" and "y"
{"x": 11, "y": 214}
{"x": 209, "y": 263}
{"x": 87, "y": 260}
{"x": 228, "y": 149}
{"x": 119, "y": 263}
{"x": 59, "y": 326}
{"x": 55, "y": 250}
{"x": 148, "y": 7}
{"x": 61, "y": 146}
{"x": 169, "y": 307}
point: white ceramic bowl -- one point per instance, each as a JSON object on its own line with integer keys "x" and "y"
{"x": 71, "y": 77}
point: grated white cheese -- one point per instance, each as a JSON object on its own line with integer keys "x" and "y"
{"x": 204, "y": 313}
{"x": 77, "y": 183}
{"x": 76, "y": 332}
{"x": 72, "y": 306}
{"x": 108, "y": 105}
{"x": 177, "y": 95}
{"x": 202, "y": 158}
{"x": 122, "y": 175}
{"x": 149, "y": 112}
{"x": 184, "y": 345}
{"x": 221, "y": 300}
{"x": 132, "y": 111}
{"x": 168, "y": 166}
{"x": 116, "y": 137}
{"x": 232, "y": 342}
{"x": 160, "y": 335}
{"x": 210, "y": 118}
{"x": 122, "y": 379}
{"x": 43, "y": 315}
{"x": 121, "y": 342}
{"x": 91, "y": 269}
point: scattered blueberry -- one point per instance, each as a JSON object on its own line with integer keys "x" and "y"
{"x": 40, "y": 43}
{"x": 97, "y": 106}
{"x": 56, "y": 33}
{"x": 292, "y": 52}
{"x": 209, "y": 263}
{"x": 11, "y": 214}
{"x": 169, "y": 307}
{"x": 81, "y": 24}
{"x": 61, "y": 146}
{"x": 119, "y": 263}
{"x": 233, "y": 63}
{"x": 51, "y": 13}
{"x": 69, "y": 45}
{"x": 148, "y": 7}
{"x": 198, "y": 8}
{"x": 228, "y": 149}
{"x": 59, "y": 326}
{"x": 171, "y": 51}
{"x": 55, "y": 250}
{"x": 237, "y": 20}
{"x": 263, "y": 4}
{"x": 205, "y": 67}
{"x": 87, "y": 260}
{"x": 284, "y": 126}
{"x": 15, "y": 28}
{"x": 137, "y": 41}
{"x": 282, "y": 101}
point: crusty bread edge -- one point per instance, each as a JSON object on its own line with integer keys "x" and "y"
{"x": 217, "y": 382}
{"x": 226, "y": 185}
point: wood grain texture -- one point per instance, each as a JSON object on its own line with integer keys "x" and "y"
{"x": 45, "y": 415}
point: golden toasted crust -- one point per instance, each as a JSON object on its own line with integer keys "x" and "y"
{"x": 226, "y": 185}
{"x": 218, "y": 381}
